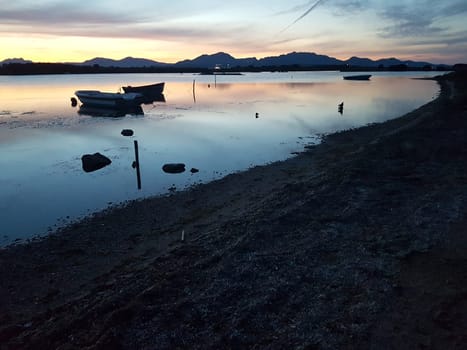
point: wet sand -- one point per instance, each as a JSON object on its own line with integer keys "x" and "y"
{"x": 359, "y": 242}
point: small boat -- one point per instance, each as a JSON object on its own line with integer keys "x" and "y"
{"x": 159, "y": 98}
{"x": 108, "y": 99}
{"x": 220, "y": 73}
{"x": 154, "y": 98}
{"x": 148, "y": 91}
{"x": 358, "y": 77}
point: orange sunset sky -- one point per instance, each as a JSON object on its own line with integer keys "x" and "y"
{"x": 170, "y": 31}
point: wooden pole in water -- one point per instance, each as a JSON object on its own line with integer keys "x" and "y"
{"x": 138, "y": 174}
{"x": 194, "y": 95}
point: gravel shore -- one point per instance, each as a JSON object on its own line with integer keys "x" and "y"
{"x": 358, "y": 243}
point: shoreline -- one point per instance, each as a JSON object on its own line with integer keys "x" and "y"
{"x": 324, "y": 249}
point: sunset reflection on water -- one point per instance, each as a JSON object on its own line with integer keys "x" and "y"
{"x": 218, "y": 125}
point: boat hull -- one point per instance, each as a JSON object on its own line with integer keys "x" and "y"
{"x": 146, "y": 90}
{"x": 358, "y": 77}
{"x": 108, "y": 99}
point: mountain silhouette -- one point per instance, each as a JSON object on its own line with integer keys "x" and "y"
{"x": 126, "y": 62}
{"x": 218, "y": 59}
{"x": 299, "y": 58}
{"x": 225, "y": 60}
{"x": 15, "y": 61}
{"x": 304, "y": 59}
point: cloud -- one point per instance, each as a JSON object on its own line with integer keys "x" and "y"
{"x": 424, "y": 28}
{"x": 458, "y": 39}
{"x": 343, "y": 7}
{"x": 59, "y": 14}
{"x": 405, "y": 21}
{"x": 455, "y": 8}
{"x": 59, "y": 19}
{"x": 419, "y": 19}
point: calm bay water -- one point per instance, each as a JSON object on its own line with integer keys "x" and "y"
{"x": 206, "y": 122}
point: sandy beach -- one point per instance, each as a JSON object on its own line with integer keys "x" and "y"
{"x": 359, "y": 242}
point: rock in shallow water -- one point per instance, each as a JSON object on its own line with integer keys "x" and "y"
{"x": 174, "y": 168}
{"x": 127, "y": 132}
{"x": 93, "y": 162}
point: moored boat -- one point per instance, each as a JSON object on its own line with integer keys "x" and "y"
{"x": 220, "y": 73}
{"x": 148, "y": 99}
{"x": 358, "y": 77}
{"x": 146, "y": 90}
{"x": 108, "y": 99}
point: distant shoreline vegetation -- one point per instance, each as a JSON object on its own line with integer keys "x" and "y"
{"x": 62, "y": 68}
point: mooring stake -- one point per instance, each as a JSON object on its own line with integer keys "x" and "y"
{"x": 138, "y": 174}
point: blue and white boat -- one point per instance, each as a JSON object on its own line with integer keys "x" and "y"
{"x": 109, "y": 99}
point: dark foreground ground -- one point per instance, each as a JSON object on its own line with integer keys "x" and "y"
{"x": 358, "y": 243}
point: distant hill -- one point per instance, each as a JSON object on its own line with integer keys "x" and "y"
{"x": 361, "y": 62}
{"x": 218, "y": 59}
{"x": 14, "y": 60}
{"x": 225, "y": 60}
{"x": 385, "y": 62}
{"x": 126, "y": 62}
{"x": 301, "y": 59}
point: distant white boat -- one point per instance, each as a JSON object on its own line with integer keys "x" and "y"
{"x": 358, "y": 77}
{"x": 109, "y": 99}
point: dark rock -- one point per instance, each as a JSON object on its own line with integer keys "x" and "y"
{"x": 194, "y": 170}
{"x": 127, "y": 132}
{"x": 93, "y": 162}
{"x": 174, "y": 168}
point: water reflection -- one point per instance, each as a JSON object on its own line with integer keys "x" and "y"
{"x": 340, "y": 108}
{"x": 94, "y": 111}
{"x": 242, "y": 121}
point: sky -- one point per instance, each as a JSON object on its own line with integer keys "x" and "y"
{"x": 174, "y": 30}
